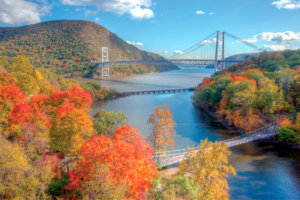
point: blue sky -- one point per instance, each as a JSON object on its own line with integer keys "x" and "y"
{"x": 169, "y": 25}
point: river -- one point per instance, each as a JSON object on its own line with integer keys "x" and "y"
{"x": 264, "y": 171}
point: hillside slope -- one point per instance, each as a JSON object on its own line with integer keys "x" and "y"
{"x": 70, "y": 46}
{"x": 241, "y": 56}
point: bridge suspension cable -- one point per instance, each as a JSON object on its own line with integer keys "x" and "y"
{"x": 209, "y": 52}
{"x": 168, "y": 158}
{"x": 193, "y": 47}
{"x": 244, "y": 42}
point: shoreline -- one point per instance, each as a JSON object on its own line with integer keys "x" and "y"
{"x": 118, "y": 78}
{"x": 239, "y": 131}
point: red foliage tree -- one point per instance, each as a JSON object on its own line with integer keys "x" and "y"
{"x": 127, "y": 157}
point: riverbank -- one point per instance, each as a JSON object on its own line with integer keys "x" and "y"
{"x": 273, "y": 140}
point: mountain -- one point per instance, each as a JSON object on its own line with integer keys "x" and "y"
{"x": 69, "y": 46}
{"x": 241, "y": 56}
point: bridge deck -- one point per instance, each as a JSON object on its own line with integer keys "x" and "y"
{"x": 203, "y": 62}
{"x": 174, "y": 157}
{"x": 164, "y": 91}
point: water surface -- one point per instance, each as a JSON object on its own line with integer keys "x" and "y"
{"x": 264, "y": 171}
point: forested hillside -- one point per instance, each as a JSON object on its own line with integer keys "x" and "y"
{"x": 254, "y": 93}
{"x": 70, "y": 47}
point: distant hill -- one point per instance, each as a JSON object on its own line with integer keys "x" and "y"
{"x": 68, "y": 47}
{"x": 241, "y": 56}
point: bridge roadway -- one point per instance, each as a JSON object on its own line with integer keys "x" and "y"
{"x": 164, "y": 91}
{"x": 171, "y": 158}
{"x": 202, "y": 62}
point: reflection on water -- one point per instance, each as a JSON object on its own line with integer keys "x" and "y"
{"x": 264, "y": 171}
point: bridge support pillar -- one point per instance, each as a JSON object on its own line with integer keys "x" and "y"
{"x": 104, "y": 67}
{"x": 220, "y": 51}
{"x": 105, "y": 71}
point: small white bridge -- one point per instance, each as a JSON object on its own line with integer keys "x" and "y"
{"x": 173, "y": 157}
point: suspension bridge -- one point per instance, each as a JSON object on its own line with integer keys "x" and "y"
{"x": 208, "y": 52}
{"x": 171, "y": 158}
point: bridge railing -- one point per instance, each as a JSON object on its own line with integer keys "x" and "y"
{"x": 185, "y": 61}
{"x": 170, "y": 157}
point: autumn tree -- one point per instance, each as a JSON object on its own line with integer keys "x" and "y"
{"x": 10, "y": 96}
{"x": 71, "y": 127}
{"x": 27, "y": 78}
{"x": 208, "y": 167}
{"x": 107, "y": 122}
{"x": 270, "y": 97}
{"x": 110, "y": 165}
{"x": 71, "y": 123}
{"x": 20, "y": 177}
{"x": 163, "y": 128}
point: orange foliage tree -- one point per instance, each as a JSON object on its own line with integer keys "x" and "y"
{"x": 123, "y": 160}
{"x": 71, "y": 122}
{"x": 163, "y": 128}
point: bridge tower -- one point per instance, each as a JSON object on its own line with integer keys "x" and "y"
{"x": 104, "y": 67}
{"x": 220, "y": 50}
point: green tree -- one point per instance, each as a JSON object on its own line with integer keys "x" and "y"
{"x": 107, "y": 122}
{"x": 177, "y": 187}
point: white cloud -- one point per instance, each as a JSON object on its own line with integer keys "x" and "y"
{"x": 287, "y": 4}
{"x": 135, "y": 43}
{"x": 275, "y": 47}
{"x": 141, "y": 13}
{"x": 200, "y": 12}
{"x": 160, "y": 51}
{"x": 15, "y": 12}
{"x": 138, "y": 9}
{"x": 279, "y": 37}
{"x": 97, "y": 19}
{"x": 178, "y": 52}
{"x": 88, "y": 12}
{"x": 211, "y": 41}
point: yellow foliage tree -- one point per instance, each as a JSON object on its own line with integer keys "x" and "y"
{"x": 70, "y": 131}
{"x": 19, "y": 177}
{"x": 28, "y": 79}
{"x": 208, "y": 166}
{"x": 163, "y": 128}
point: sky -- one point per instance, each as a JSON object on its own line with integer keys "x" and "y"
{"x": 168, "y": 26}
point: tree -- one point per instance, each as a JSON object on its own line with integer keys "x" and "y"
{"x": 269, "y": 98}
{"x": 70, "y": 129}
{"x": 71, "y": 122}
{"x": 20, "y": 178}
{"x": 123, "y": 160}
{"x": 107, "y": 122}
{"x": 177, "y": 187}
{"x": 208, "y": 166}
{"x": 163, "y": 128}
{"x": 28, "y": 79}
